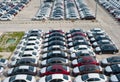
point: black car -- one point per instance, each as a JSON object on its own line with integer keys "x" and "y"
{"x": 101, "y": 42}
{"x": 100, "y": 37}
{"x": 75, "y": 30}
{"x": 113, "y": 69}
{"x": 110, "y": 61}
{"x": 106, "y": 49}
{"x": 54, "y": 38}
{"x": 54, "y": 34}
{"x": 55, "y": 54}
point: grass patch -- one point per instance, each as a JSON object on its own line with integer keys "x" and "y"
{"x": 5, "y": 46}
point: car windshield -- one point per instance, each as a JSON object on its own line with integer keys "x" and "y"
{"x": 114, "y": 59}
{"x": 12, "y": 79}
{"x": 31, "y": 68}
{"x": 115, "y": 68}
{"x": 93, "y": 79}
{"x": 56, "y": 80}
{"x": 2, "y": 60}
{"x": 56, "y": 59}
{"x": 48, "y": 78}
{"x": 84, "y": 77}
{"x": 65, "y": 67}
{"x": 81, "y": 68}
{"x": 49, "y": 68}
{"x": 65, "y": 77}
{"x": 118, "y": 76}
{"x": 19, "y": 80}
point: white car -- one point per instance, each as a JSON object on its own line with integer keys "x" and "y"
{"x": 3, "y": 62}
{"x": 56, "y": 78}
{"x": 6, "y": 17}
{"x": 24, "y": 69}
{"x": 114, "y": 78}
{"x": 91, "y": 77}
{"x": 20, "y": 78}
{"x": 81, "y": 48}
{"x": 24, "y": 61}
{"x": 82, "y": 53}
{"x": 1, "y": 70}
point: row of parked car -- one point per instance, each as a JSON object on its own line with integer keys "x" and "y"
{"x": 58, "y": 10}
{"x": 9, "y": 10}
{"x": 101, "y": 42}
{"x": 24, "y": 61}
{"x": 57, "y": 53}
{"x": 112, "y": 6}
{"x": 65, "y": 9}
{"x": 84, "y": 11}
{"x": 71, "y": 10}
{"x": 44, "y": 12}
{"x": 111, "y": 67}
{"x": 54, "y": 61}
{"x": 84, "y": 62}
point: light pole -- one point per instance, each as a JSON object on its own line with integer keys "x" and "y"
{"x": 96, "y": 10}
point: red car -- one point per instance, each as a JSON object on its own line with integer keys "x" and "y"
{"x": 55, "y": 69}
{"x": 76, "y": 34}
{"x": 85, "y": 60}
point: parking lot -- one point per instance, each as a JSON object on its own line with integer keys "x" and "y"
{"x": 23, "y": 22}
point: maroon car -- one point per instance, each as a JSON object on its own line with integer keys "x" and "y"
{"x": 84, "y": 69}
{"x": 55, "y": 69}
{"x": 85, "y": 60}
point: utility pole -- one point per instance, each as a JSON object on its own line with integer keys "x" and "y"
{"x": 96, "y": 10}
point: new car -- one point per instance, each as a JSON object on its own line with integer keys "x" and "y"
{"x": 85, "y": 69}
{"x": 113, "y": 69}
{"x": 85, "y": 60}
{"x": 56, "y": 53}
{"x": 55, "y": 42}
{"x": 3, "y": 62}
{"x": 24, "y": 61}
{"x": 24, "y": 69}
{"x": 114, "y": 78}
{"x": 106, "y": 49}
{"x": 55, "y": 69}
{"x": 55, "y": 60}
{"x": 78, "y": 42}
{"x": 20, "y": 78}
{"x": 81, "y": 48}
{"x": 81, "y": 54}
{"x": 110, "y": 61}
{"x": 53, "y": 48}
{"x": 91, "y": 77}
{"x": 55, "y": 78}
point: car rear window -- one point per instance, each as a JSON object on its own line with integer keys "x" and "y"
{"x": 31, "y": 68}
{"x": 12, "y": 79}
{"x": 29, "y": 77}
{"x": 101, "y": 76}
{"x": 84, "y": 77}
{"x": 48, "y": 78}
{"x": 65, "y": 77}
